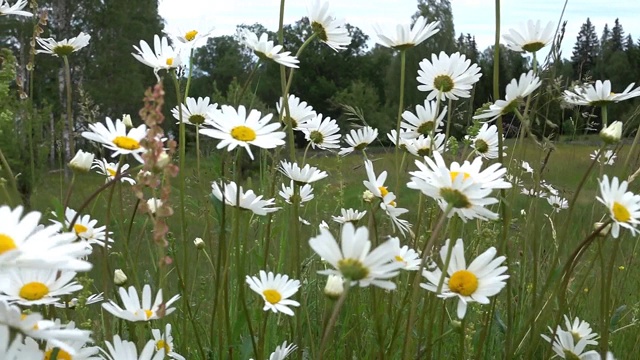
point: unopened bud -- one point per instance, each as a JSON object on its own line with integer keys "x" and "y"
{"x": 81, "y": 162}
{"x": 154, "y": 204}
{"x": 605, "y": 231}
{"x": 334, "y": 287}
{"x": 199, "y": 243}
{"x": 368, "y": 196}
{"x": 119, "y": 277}
{"x": 612, "y": 133}
{"x": 126, "y": 119}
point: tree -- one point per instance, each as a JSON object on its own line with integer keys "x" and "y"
{"x": 585, "y": 51}
{"x": 617, "y": 37}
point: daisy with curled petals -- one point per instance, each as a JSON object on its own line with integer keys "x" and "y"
{"x": 63, "y": 48}
{"x": 162, "y": 57}
{"x": 329, "y": 30}
{"x": 607, "y": 158}
{"x": 425, "y": 121}
{"x": 476, "y": 283}
{"x": 192, "y": 37}
{"x": 567, "y": 347}
{"x": 375, "y": 184}
{"x": 275, "y": 291}
{"x": 29, "y": 287}
{"x": 134, "y": 310}
{"x": 195, "y": 112}
{"x": 16, "y": 9}
{"x": 24, "y": 243}
{"x": 359, "y": 139}
{"x": 409, "y": 259}
{"x": 349, "y": 215}
{"x": 305, "y": 175}
{"x": 248, "y": 200}
{"x": 85, "y": 228}
{"x": 447, "y": 77}
{"x": 71, "y": 304}
{"x": 558, "y": 203}
{"x": 531, "y": 38}
{"x": 424, "y": 145}
{"x": 486, "y": 142}
{"x": 516, "y": 91}
{"x": 109, "y": 169}
{"x": 126, "y": 350}
{"x": 392, "y": 210}
{"x": 165, "y": 341}
{"x": 405, "y": 36}
{"x": 282, "y": 351}
{"x": 234, "y": 128}
{"x": 305, "y": 193}
{"x": 265, "y": 50}
{"x": 300, "y": 111}
{"x": 579, "y": 330}
{"x": 352, "y": 259}
{"x": 116, "y": 138}
{"x": 323, "y": 133}
{"x": 623, "y": 205}
{"x": 599, "y": 94}
{"x": 401, "y": 138}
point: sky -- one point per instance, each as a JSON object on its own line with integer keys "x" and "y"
{"x": 470, "y": 16}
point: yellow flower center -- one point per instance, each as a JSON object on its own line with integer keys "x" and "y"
{"x": 125, "y": 142}
{"x": 463, "y": 282}
{"x": 34, "y": 291}
{"x": 272, "y": 296}
{"x": 400, "y": 259}
{"x": 444, "y": 83}
{"x": 61, "y": 355}
{"x": 454, "y": 175}
{"x": 79, "y": 228}
{"x": 243, "y": 133}
{"x": 169, "y": 61}
{"x": 6, "y": 244}
{"x": 161, "y": 344}
{"x": 352, "y": 269}
{"x": 148, "y": 313}
{"x": 111, "y": 172}
{"x": 190, "y": 35}
{"x": 620, "y": 212}
{"x": 383, "y": 191}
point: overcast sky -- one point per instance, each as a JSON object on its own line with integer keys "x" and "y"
{"x": 470, "y": 16}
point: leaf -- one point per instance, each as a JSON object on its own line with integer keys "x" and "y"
{"x": 617, "y": 315}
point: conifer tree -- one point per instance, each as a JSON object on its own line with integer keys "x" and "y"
{"x": 585, "y": 51}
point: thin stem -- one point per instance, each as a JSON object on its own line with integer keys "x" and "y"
{"x": 12, "y": 178}
{"x": 198, "y": 151}
{"x": 69, "y": 191}
{"x": 67, "y": 76}
{"x": 334, "y": 317}
{"x": 403, "y": 66}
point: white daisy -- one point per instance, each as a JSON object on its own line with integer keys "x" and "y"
{"x": 126, "y": 350}
{"x": 81, "y": 162}
{"x": 134, "y": 310}
{"x": 447, "y": 77}
{"x": 334, "y": 287}
{"x": 275, "y": 291}
{"x": 388, "y": 204}
{"x": 607, "y": 158}
{"x": 265, "y": 50}
{"x": 322, "y": 133}
{"x": 623, "y": 205}
{"x": 76, "y": 349}
{"x": 352, "y": 259}
{"x": 235, "y": 128}
{"x": 558, "y": 203}
{"x": 195, "y": 112}
{"x": 115, "y": 137}
{"x": 531, "y": 38}
{"x": 580, "y": 329}
{"x": 24, "y": 243}
{"x": 305, "y": 175}
{"x": 408, "y": 258}
{"x": 330, "y": 30}
{"x": 248, "y": 200}
{"x": 109, "y": 169}
{"x": 566, "y": 347}
{"x": 16, "y": 9}
{"x": 194, "y": 36}
{"x": 486, "y": 142}
{"x": 599, "y": 94}
{"x": 349, "y": 215}
{"x": 31, "y": 287}
{"x": 375, "y": 184}
{"x": 282, "y": 351}
{"x": 423, "y": 146}
{"x": 526, "y": 167}
{"x": 63, "y": 48}
{"x": 359, "y": 139}
{"x": 402, "y": 140}
{"x": 305, "y": 193}
{"x": 476, "y": 283}
{"x": 301, "y": 112}
{"x": 165, "y": 341}
{"x": 424, "y": 122}
{"x": 13, "y": 348}
{"x": 516, "y": 91}
{"x": 407, "y": 36}
{"x": 85, "y": 228}
{"x": 71, "y": 304}
{"x": 163, "y": 57}
{"x": 153, "y": 204}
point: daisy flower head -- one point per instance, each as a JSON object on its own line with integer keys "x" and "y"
{"x": 71, "y": 304}
{"x": 15, "y": 9}
{"x": 126, "y": 350}
{"x": 580, "y": 330}
{"x": 75, "y": 349}
{"x": 329, "y": 30}
{"x": 408, "y": 258}
{"x": 623, "y": 205}
{"x": 425, "y": 121}
{"x": 13, "y": 348}
{"x": 265, "y": 50}
{"x": 63, "y": 48}
{"x": 29, "y": 287}
{"x": 81, "y": 162}
{"x": 424, "y": 145}
{"x": 323, "y": 133}
{"x": 275, "y": 291}
{"x": 352, "y": 259}
{"x": 516, "y": 91}
{"x": 301, "y": 112}
{"x": 373, "y": 183}
{"x": 24, "y": 243}
{"x": 558, "y": 203}
{"x": 599, "y": 94}
{"x": 483, "y": 278}
{"x": 305, "y": 193}
{"x": 85, "y": 228}
{"x": 109, "y": 169}
{"x": 568, "y": 347}
{"x": 229, "y": 194}
{"x": 447, "y": 77}
{"x": 486, "y": 142}
{"x": 192, "y": 37}
{"x": 349, "y": 215}
{"x": 195, "y": 112}
{"x": 388, "y": 204}
{"x": 282, "y": 351}
{"x": 235, "y": 128}
{"x": 359, "y": 139}
{"x": 530, "y": 38}
{"x": 305, "y": 175}
{"x": 406, "y": 36}
{"x": 162, "y": 57}
{"x": 606, "y": 158}
{"x": 401, "y": 138}
{"x": 165, "y": 341}
{"x": 526, "y": 167}
{"x": 134, "y": 310}
{"x": 116, "y": 138}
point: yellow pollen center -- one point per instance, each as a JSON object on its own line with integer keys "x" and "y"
{"x": 383, "y": 191}
{"x": 111, "y": 172}
{"x": 34, "y": 291}
{"x": 243, "y": 133}
{"x": 148, "y": 313}
{"x": 6, "y": 244}
{"x": 79, "y": 229}
{"x": 161, "y": 344}
{"x": 191, "y": 35}
{"x": 169, "y": 61}
{"x": 454, "y": 175}
{"x": 272, "y": 296}
{"x": 127, "y": 143}
{"x": 620, "y": 212}
{"x": 62, "y": 355}
{"x": 399, "y": 258}
{"x": 24, "y": 316}
{"x": 463, "y": 282}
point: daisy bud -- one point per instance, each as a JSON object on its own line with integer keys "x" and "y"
{"x": 81, "y": 162}
{"x": 119, "y": 277}
{"x": 612, "y": 133}
{"x": 368, "y": 196}
{"x": 604, "y": 232}
{"x": 154, "y": 204}
{"x": 334, "y": 287}
{"x": 199, "y": 243}
{"x": 126, "y": 119}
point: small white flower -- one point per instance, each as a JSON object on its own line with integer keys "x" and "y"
{"x": 81, "y": 162}
{"x": 119, "y": 277}
{"x": 334, "y": 287}
{"x": 301, "y": 112}
{"x": 447, "y": 77}
{"x": 154, "y": 204}
{"x": 323, "y": 133}
{"x": 425, "y": 145}
{"x": 31, "y": 287}
{"x": 126, "y": 350}
{"x": 407, "y": 36}
{"x": 349, "y": 215}
{"x": 330, "y": 30}
{"x": 199, "y": 243}
{"x": 126, "y": 120}
{"x": 611, "y": 134}
{"x": 163, "y": 57}
{"x": 109, "y": 169}
{"x": 531, "y": 38}
{"x": 368, "y": 196}
{"x": 388, "y": 204}
{"x": 165, "y": 341}
{"x": 515, "y": 91}
{"x": 116, "y": 138}
{"x": 16, "y": 9}
{"x": 567, "y": 347}
{"x": 85, "y": 228}
{"x": 248, "y": 200}
{"x": 599, "y": 94}
{"x": 193, "y": 37}
{"x": 486, "y": 142}
{"x": 359, "y": 139}
{"x": 305, "y": 193}
{"x": 558, "y": 203}
{"x": 305, "y": 175}
{"x": 526, "y": 167}
{"x": 607, "y": 158}
{"x": 134, "y": 310}
{"x": 196, "y": 112}
{"x": 424, "y": 122}
{"x": 275, "y": 291}
{"x": 402, "y": 140}
{"x": 282, "y": 351}
{"x": 65, "y": 47}
{"x": 265, "y": 50}
{"x": 623, "y": 205}
{"x": 409, "y": 259}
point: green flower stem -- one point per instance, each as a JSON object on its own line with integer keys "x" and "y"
{"x": 198, "y": 151}
{"x": 625, "y": 168}
{"x": 186, "y": 90}
{"x": 67, "y": 77}
{"x": 11, "y": 177}
{"x": 448, "y": 131}
{"x": 605, "y": 300}
{"x": 605, "y": 116}
{"x": 452, "y": 239}
{"x": 332, "y": 320}
{"x": 69, "y": 191}
{"x": 461, "y": 353}
{"x": 403, "y": 66}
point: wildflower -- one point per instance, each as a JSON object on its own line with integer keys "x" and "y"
{"x": 63, "y": 48}
{"x": 375, "y": 184}
{"x": 282, "y": 351}
{"x": 567, "y": 347}
{"x": 126, "y": 350}
{"x": 304, "y": 175}
{"x": 349, "y": 215}
{"x": 12, "y": 348}
{"x": 81, "y": 162}
{"x": 248, "y": 200}
{"x": 16, "y": 9}
{"x": 195, "y": 112}
{"x": 109, "y": 169}
{"x": 154, "y": 204}
{"x": 611, "y": 134}
{"x": 199, "y": 243}
{"x": 75, "y": 349}
{"x": 526, "y": 167}
{"x": 116, "y": 138}
{"x": 322, "y": 133}
{"x": 515, "y": 92}
{"x": 447, "y": 77}
{"x": 425, "y": 121}
{"x": 194, "y": 37}
{"x": 301, "y": 112}
{"x": 599, "y": 94}
{"x": 31, "y": 287}
{"x": 557, "y": 202}
{"x": 409, "y": 259}
{"x": 405, "y": 36}
{"x": 165, "y": 341}
{"x": 359, "y": 139}
{"x": 305, "y": 193}
{"x": 135, "y": 310}
{"x": 329, "y": 30}
{"x": 163, "y": 57}
{"x": 529, "y": 39}
{"x": 607, "y": 158}
{"x": 334, "y": 287}
{"x": 119, "y": 277}
{"x": 623, "y": 205}
{"x": 126, "y": 120}
{"x": 85, "y": 228}
{"x": 402, "y": 140}
{"x": 605, "y": 230}
{"x": 275, "y": 291}
{"x": 71, "y": 304}
{"x": 388, "y": 204}
{"x": 265, "y": 50}
{"x": 368, "y": 196}
{"x": 425, "y": 145}
{"x": 486, "y": 142}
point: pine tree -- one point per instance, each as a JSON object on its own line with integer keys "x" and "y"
{"x": 585, "y": 50}
{"x": 617, "y": 37}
